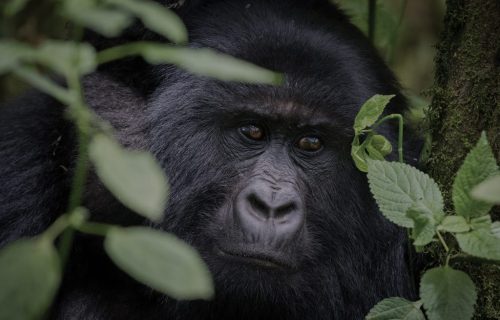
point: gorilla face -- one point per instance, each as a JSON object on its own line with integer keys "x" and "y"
{"x": 263, "y": 184}
{"x": 262, "y": 181}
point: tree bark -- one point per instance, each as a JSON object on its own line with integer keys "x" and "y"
{"x": 466, "y": 102}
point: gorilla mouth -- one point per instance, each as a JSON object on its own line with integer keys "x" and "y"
{"x": 260, "y": 259}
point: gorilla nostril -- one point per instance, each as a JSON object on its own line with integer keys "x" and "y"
{"x": 284, "y": 210}
{"x": 258, "y": 206}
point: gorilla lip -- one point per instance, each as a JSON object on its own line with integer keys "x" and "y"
{"x": 254, "y": 258}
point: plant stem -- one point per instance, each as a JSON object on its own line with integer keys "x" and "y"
{"x": 395, "y": 32}
{"x": 56, "y": 228}
{"x": 401, "y": 159}
{"x": 120, "y": 52}
{"x": 372, "y": 13}
{"x": 82, "y": 121}
{"x": 95, "y": 228}
{"x": 44, "y": 84}
{"x": 441, "y": 239}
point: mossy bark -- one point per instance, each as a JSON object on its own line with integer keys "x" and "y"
{"x": 466, "y": 102}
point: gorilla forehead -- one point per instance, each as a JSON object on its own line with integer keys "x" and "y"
{"x": 328, "y": 71}
{"x": 208, "y": 100}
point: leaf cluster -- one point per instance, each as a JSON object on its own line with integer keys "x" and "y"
{"x": 413, "y": 200}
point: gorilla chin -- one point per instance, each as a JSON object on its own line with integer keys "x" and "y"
{"x": 262, "y": 180}
{"x": 256, "y": 257}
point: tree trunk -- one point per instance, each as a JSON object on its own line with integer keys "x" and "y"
{"x": 466, "y": 102}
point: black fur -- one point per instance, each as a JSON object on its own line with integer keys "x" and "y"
{"x": 348, "y": 256}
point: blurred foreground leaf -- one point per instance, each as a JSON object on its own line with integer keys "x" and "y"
{"x": 63, "y": 57}
{"x": 161, "y": 261}
{"x": 93, "y": 15}
{"x": 12, "y": 53}
{"x": 155, "y": 17}
{"x": 488, "y": 190}
{"x": 66, "y": 57}
{"x": 211, "y": 63}
{"x": 29, "y": 278}
{"x": 134, "y": 177}
{"x": 204, "y": 61}
{"x": 12, "y": 7}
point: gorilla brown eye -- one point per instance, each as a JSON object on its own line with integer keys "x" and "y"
{"x": 309, "y": 143}
{"x": 252, "y": 132}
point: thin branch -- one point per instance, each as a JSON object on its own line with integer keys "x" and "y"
{"x": 82, "y": 121}
{"x": 44, "y": 84}
{"x": 372, "y": 12}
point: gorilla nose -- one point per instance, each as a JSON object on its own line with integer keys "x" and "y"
{"x": 260, "y": 207}
{"x": 270, "y": 211}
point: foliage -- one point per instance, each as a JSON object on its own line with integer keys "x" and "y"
{"x": 411, "y": 199}
{"x": 31, "y": 269}
{"x": 387, "y": 25}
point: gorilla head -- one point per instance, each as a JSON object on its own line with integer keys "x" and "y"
{"x": 262, "y": 181}
{"x": 263, "y": 184}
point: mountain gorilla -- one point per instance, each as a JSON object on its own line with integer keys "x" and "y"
{"x": 262, "y": 182}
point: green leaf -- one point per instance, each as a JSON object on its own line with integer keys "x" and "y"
{"x": 359, "y": 155}
{"x": 156, "y": 18}
{"x": 479, "y": 165}
{"x": 480, "y": 243}
{"x": 396, "y": 309}
{"x": 488, "y": 190}
{"x": 14, "y": 6}
{"x": 371, "y": 149}
{"x": 29, "y": 278}
{"x": 12, "y": 53}
{"x": 67, "y": 57}
{"x": 370, "y": 111}
{"x": 211, "y": 63}
{"x": 161, "y": 261}
{"x": 396, "y": 187}
{"x": 60, "y": 56}
{"x": 381, "y": 144}
{"x": 455, "y": 224}
{"x": 386, "y": 22}
{"x": 89, "y": 14}
{"x": 483, "y": 222}
{"x": 424, "y": 225}
{"x": 495, "y": 229}
{"x": 373, "y": 153}
{"x": 134, "y": 177}
{"x": 447, "y": 294}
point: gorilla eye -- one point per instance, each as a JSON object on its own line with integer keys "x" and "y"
{"x": 309, "y": 143}
{"x": 252, "y": 132}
